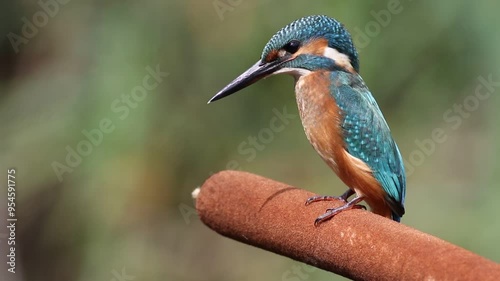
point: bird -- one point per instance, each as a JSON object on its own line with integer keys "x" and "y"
{"x": 340, "y": 116}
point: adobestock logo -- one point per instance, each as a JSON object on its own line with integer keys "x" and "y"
{"x": 121, "y": 109}
{"x": 381, "y": 19}
{"x": 249, "y": 148}
{"x": 258, "y": 142}
{"x": 121, "y": 276}
{"x": 454, "y": 117}
{"x": 222, "y": 7}
{"x": 49, "y": 9}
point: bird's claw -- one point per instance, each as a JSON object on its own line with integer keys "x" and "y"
{"x": 353, "y": 207}
{"x": 319, "y": 198}
{"x": 334, "y": 211}
{"x": 331, "y": 212}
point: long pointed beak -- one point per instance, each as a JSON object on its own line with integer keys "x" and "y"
{"x": 256, "y": 72}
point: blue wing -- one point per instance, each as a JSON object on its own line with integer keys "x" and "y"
{"x": 367, "y": 136}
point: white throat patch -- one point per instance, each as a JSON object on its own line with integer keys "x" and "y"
{"x": 295, "y": 72}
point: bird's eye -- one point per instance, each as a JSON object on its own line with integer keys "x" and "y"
{"x": 292, "y": 46}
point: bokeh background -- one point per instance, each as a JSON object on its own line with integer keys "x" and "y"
{"x": 124, "y": 210}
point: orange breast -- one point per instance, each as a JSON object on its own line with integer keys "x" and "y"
{"x": 321, "y": 118}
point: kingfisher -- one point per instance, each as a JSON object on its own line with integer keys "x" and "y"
{"x": 341, "y": 118}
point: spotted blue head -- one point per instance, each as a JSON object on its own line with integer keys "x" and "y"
{"x": 308, "y": 44}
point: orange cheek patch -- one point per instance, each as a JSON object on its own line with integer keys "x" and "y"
{"x": 271, "y": 56}
{"x": 313, "y": 47}
{"x": 319, "y": 47}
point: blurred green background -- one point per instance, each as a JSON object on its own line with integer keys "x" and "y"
{"x": 123, "y": 211}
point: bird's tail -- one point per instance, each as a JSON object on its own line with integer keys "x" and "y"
{"x": 396, "y": 217}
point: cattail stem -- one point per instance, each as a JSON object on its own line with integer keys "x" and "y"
{"x": 356, "y": 243}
